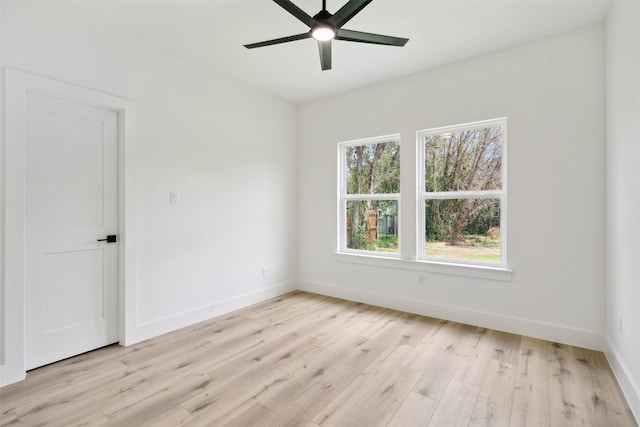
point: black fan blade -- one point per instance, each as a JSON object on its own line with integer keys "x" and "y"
{"x": 348, "y": 11}
{"x": 297, "y": 12}
{"x": 325, "y": 54}
{"x": 278, "y": 41}
{"x": 359, "y": 36}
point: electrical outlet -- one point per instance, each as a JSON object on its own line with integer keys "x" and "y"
{"x": 264, "y": 272}
{"x": 620, "y": 322}
{"x": 422, "y": 280}
{"x": 173, "y": 198}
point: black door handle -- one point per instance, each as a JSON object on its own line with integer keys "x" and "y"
{"x": 110, "y": 239}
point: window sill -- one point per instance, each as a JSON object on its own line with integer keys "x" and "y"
{"x": 475, "y": 271}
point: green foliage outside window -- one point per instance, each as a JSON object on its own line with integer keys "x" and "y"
{"x": 458, "y": 166}
{"x": 372, "y": 169}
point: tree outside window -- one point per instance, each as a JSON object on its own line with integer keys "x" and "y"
{"x": 370, "y": 195}
{"x": 462, "y": 200}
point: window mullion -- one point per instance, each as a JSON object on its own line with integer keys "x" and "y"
{"x": 490, "y": 194}
{"x": 390, "y": 196}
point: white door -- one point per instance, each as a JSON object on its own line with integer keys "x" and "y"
{"x": 71, "y": 201}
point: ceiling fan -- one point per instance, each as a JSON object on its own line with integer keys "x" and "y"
{"x": 325, "y": 27}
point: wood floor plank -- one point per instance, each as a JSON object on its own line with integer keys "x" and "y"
{"x": 256, "y": 415}
{"x": 220, "y": 403}
{"x": 531, "y": 392}
{"x": 175, "y": 416}
{"x": 87, "y": 419}
{"x": 506, "y": 346}
{"x": 8, "y": 417}
{"x": 475, "y": 358}
{"x": 486, "y": 345}
{"x": 360, "y": 400}
{"x": 310, "y": 390}
{"x": 272, "y": 355}
{"x": 383, "y": 405}
{"x": 66, "y": 396}
{"x": 287, "y": 307}
{"x": 358, "y": 350}
{"x": 576, "y": 390}
{"x": 439, "y": 357}
{"x": 610, "y": 404}
{"x": 160, "y": 398}
{"x": 416, "y": 410}
{"x": 456, "y": 406}
{"x": 311, "y": 360}
{"x": 47, "y": 379}
{"x": 494, "y": 404}
{"x": 567, "y": 405}
{"x": 86, "y": 407}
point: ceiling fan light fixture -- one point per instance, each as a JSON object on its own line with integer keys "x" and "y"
{"x": 323, "y": 32}
{"x": 325, "y": 26}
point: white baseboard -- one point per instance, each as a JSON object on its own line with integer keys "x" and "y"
{"x": 629, "y": 386}
{"x": 9, "y": 374}
{"x": 158, "y": 327}
{"x": 536, "y": 329}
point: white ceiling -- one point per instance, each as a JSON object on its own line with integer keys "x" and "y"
{"x": 213, "y": 32}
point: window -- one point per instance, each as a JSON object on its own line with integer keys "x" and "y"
{"x": 458, "y": 187}
{"x": 461, "y": 186}
{"x": 369, "y": 196}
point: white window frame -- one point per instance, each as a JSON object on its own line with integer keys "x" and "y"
{"x": 423, "y": 196}
{"x": 343, "y": 197}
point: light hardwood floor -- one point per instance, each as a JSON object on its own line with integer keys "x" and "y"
{"x": 309, "y": 360}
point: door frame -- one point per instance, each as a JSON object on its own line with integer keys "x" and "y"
{"x": 17, "y": 84}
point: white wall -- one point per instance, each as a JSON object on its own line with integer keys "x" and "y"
{"x": 226, "y": 148}
{"x": 623, "y": 197}
{"x": 2, "y": 243}
{"x": 552, "y": 92}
